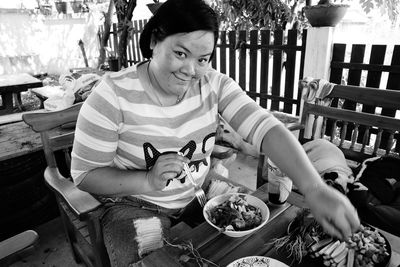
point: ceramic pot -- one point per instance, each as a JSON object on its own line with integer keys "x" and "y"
{"x": 61, "y": 7}
{"x": 76, "y": 6}
{"x": 113, "y": 64}
{"x": 325, "y": 15}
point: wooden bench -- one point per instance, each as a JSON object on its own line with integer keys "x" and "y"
{"x": 361, "y": 121}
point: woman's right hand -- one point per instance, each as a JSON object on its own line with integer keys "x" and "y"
{"x": 168, "y": 166}
{"x": 333, "y": 210}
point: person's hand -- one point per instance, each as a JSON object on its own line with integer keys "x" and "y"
{"x": 333, "y": 211}
{"x": 168, "y": 166}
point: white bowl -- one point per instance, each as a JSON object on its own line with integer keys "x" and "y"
{"x": 257, "y": 261}
{"x": 252, "y": 200}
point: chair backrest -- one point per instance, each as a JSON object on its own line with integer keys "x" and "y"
{"x": 361, "y": 121}
{"x": 56, "y": 130}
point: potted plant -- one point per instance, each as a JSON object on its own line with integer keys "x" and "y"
{"x": 76, "y": 6}
{"x": 44, "y": 8}
{"x": 325, "y": 13}
{"x": 154, "y": 6}
{"x": 61, "y": 6}
{"x": 112, "y": 59}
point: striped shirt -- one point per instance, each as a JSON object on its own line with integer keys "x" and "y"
{"x": 120, "y": 125}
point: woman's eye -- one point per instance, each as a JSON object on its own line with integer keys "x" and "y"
{"x": 203, "y": 61}
{"x": 180, "y": 54}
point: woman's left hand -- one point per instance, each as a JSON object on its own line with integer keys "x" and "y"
{"x": 333, "y": 211}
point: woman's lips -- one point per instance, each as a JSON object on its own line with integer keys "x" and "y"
{"x": 182, "y": 79}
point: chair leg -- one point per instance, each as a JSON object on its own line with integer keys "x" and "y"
{"x": 96, "y": 236}
{"x": 68, "y": 228}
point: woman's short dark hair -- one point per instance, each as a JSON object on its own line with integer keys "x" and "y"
{"x": 178, "y": 16}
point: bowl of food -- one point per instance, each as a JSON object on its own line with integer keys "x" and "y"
{"x": 236, "y": 214}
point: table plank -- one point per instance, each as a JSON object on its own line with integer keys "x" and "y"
{"x": 17, "y": 139}
{"x": 18, "y": 82}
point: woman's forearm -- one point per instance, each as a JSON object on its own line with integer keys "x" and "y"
{"x": 282, "y": 147}
{"x": 115, "y": 182}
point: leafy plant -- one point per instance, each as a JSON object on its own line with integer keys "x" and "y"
{"x": 245, "y": 14}
{"x": 389, "y": 7}
{"x": 284, "y": 14}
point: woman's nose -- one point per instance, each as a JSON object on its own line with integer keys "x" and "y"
{"x": 189, "y": 68}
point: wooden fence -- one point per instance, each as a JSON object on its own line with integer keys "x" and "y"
{"x": 133, "y": 52}
{"x": 266, "y": 64}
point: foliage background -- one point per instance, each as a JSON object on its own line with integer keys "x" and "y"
{"x": 286, "y": 14}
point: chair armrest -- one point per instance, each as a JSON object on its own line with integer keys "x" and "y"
{"x": 81, "y": 203}
{"x": 16, "y": 246}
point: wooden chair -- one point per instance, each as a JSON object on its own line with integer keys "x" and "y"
{"x": 78, "y": 209}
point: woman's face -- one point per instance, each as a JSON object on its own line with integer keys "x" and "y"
{"x": 181, "y": 59}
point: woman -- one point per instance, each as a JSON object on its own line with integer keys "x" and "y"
{"x": 133, "y": 124}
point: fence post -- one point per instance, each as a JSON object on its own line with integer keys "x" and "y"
{"x": 318, "y": 52}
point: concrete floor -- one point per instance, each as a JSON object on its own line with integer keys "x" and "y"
{"x": 53, "y": 249}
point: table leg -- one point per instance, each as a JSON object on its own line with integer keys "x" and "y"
{"x": 7, "y": 105}
{"x": 18, "y": 100}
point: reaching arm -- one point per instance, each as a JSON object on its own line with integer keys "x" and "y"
{"x": 285, "y": 151}
{"x": 330, "y": 208}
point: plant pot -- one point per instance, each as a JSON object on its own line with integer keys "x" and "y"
{"x": 153, "y": 7}
{"x": 325, "y": 15}
{"x": 61, "y": 7}
{"x": 76, "y": 6}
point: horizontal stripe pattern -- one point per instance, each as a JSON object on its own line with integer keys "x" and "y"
{"x": 119, "y": 119}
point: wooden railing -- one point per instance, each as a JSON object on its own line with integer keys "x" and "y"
{"x": 266, "y": 64}
{"x": 350, "y": 67}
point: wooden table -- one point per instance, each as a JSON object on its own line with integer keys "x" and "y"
{"x": 223, "y": 250}
{"x": 11, "y": 85}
